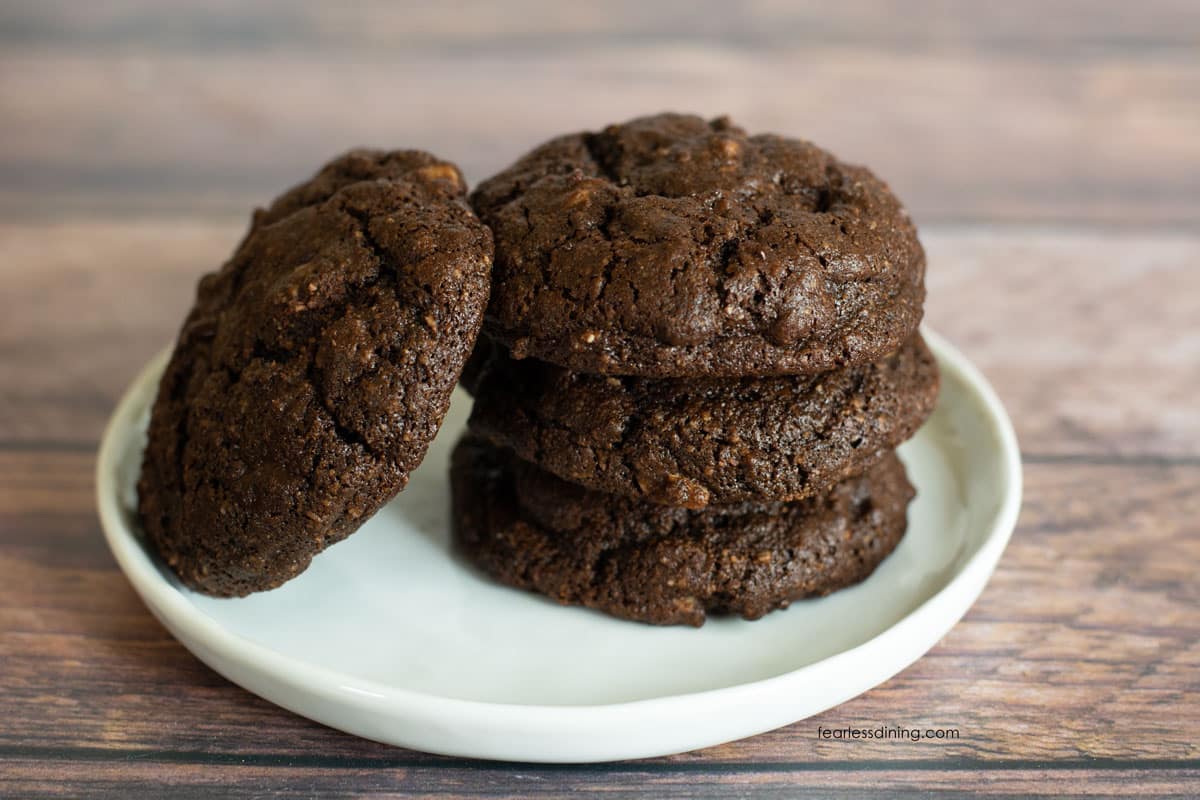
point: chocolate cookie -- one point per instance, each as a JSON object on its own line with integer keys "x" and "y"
{"x": 674, "y": 247}
{"x": 666, "y": 565}
{"x": 705, "y": 440}
{"x": 313, "y": 370}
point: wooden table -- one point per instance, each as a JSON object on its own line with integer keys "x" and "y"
{"x": 1049, "y": 152}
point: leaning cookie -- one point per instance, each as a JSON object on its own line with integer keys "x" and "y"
{"x": 706, "y": 440}
{"x": 312, "y": 372}
{"x": 663, "y": 565}
{"x": 674, "y": 247}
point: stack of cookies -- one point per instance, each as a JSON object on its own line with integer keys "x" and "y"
{"x": 699, "y": 356}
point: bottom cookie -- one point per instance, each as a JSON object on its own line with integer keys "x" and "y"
{"x": 665, "y": 565}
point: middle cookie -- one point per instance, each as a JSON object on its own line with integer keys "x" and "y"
{"x": 694, "y": 442}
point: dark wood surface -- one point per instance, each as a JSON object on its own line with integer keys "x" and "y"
{"x": 1049, "y": 151}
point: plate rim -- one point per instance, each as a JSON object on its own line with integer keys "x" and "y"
{"x": 188, "y": 623}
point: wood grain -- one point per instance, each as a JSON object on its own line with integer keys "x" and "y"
{"x": 391, "y": 780}
{"x": 971, "y": 115}
{"x": 1049, "y": 151}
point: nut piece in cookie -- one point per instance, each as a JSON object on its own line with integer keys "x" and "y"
{"x": 313, "y": 370}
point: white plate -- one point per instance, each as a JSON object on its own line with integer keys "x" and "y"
{"x": 390, "y": 636}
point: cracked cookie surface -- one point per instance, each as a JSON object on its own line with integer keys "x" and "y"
{"x": 663, "y": 565}
{"x": 670, "y": 246}
{"x": 691, "y": 442}
{"x": 313, "y": 370}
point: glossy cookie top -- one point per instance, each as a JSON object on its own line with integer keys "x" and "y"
{"x": 674, "y": 247}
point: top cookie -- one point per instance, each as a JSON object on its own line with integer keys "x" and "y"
{"x": 313, "y": 370}
{"x": 673, "y": 247}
